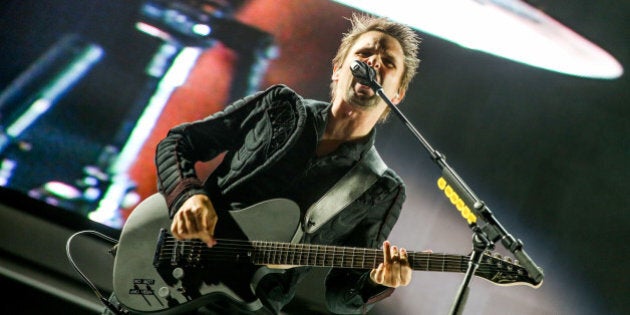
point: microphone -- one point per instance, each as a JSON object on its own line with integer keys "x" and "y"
{"x": 364, "y": 74}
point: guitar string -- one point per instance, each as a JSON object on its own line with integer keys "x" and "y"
{"x": 284, "y": 248}
{"x": 448, "y": 262}
{"x": 483, "y": 268}
{"x": 332, "y": 252}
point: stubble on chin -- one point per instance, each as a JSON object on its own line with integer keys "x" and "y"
{"x": 361, "y": 100}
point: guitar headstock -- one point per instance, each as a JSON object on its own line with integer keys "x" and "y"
{"x": 504, "y": 271}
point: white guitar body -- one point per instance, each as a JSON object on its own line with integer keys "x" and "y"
{"x": 142, "y": 288}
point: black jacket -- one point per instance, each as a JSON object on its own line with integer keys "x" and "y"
{"x": 268, "y": 140}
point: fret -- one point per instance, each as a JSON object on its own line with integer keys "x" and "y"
{"x": 323, "y": 254}
{"x": 374, "y": 262}
{"x": 344, "y": 258}
{"x": 443, "y": 261}
{"x": 363, "y": 259}
{"x": 278, "y": 253}
{"x": 330, "y": 259}
{"x": 352, "y": 257}
{"x": 266, "y": 252}
{"x": 280, "y": 248}
{"x": 283, "y": 254}
{"x": 343, "y": 252}
{"x": 301, "y": 254}
{"x": 428, "y": 261}
{"x": 293, "y": 253}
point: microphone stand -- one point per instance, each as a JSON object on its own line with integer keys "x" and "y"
{"x": 484, "y": 236}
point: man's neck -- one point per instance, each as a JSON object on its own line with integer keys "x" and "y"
{"x": 341, "y": 127}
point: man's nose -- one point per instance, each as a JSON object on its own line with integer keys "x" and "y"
{"x": 372, "y": 61}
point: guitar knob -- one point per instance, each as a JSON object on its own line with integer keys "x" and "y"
{"x": 178, "y": 273}
{"x": 164, "y": 292}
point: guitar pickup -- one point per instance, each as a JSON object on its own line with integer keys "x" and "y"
{"x": 161, "y": 258}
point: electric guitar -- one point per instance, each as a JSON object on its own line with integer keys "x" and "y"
{"x": 155, "y": 273}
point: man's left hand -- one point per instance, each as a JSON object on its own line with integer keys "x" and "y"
{"x": 394, "y": 271}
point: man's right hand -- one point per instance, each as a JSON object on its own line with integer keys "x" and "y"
{"x": 196, "y": 218}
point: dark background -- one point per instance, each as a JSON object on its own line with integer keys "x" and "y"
{"x": 546, "y": 151}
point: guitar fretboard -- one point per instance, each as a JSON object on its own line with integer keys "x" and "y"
{"x": 277, "y": 253}
{"x": 196, "y": 254}
{"x": 346, "y": 257}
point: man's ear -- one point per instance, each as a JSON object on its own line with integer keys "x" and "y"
{"x": 335, "y": 73}
{"x": 398, "y": 97}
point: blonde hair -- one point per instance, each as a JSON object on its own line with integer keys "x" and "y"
{"x": 408, "y": 39}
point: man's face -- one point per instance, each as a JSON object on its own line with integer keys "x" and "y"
{"x": 381, "y": 52}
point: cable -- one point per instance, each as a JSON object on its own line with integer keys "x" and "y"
{"x": 96, "y": 291}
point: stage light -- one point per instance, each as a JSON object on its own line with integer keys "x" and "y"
{"x": 510, "y": 29}
{"x": 62, "y": 190}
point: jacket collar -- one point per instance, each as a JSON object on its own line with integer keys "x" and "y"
{"x": 354, "y": 149}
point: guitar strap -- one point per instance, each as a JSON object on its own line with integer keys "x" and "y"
{"x": 352, "y": 185}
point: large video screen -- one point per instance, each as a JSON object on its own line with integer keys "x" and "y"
{"x": 89, "y": 87}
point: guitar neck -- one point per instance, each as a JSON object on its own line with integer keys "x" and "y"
{"x": 195, "y": 254}
{"x": 278, "y": 253}
{"x": 273, "y": 253}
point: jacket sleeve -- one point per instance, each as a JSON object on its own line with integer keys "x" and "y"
{"x": 350, "y": 291}
{"x": 200, "y": 141}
